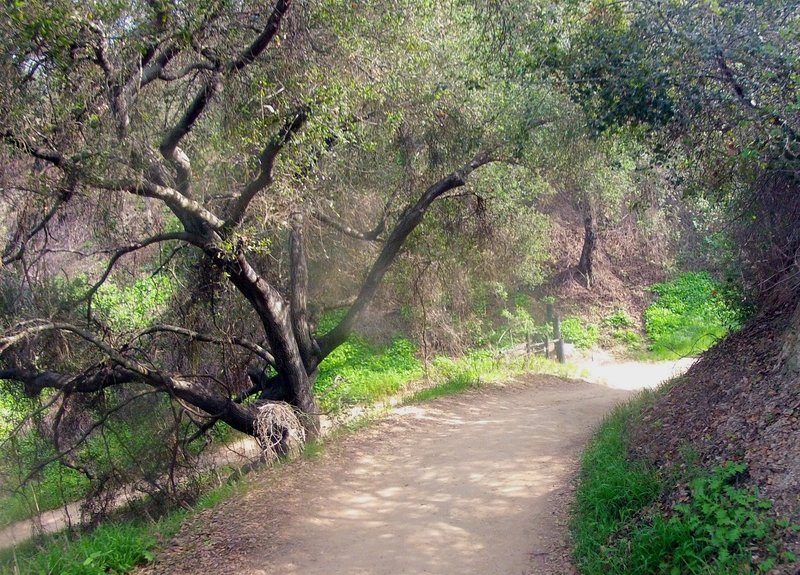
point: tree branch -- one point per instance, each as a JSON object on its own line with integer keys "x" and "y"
{"x": 173, "y": 236}
{"x": 169, "y": 145}
{"x": 340, "y": 226}
{"x": 35, "y": 382}
{"x": 185, "y": 71}
{"x": 255, "y": 49}
{"x": 38, "y": 326}
{"x": 299, "y": 289}
{"x": 266, "y": 162}
{"x": 743, "y": 98}
{"x": 8, "y": 257}
{"x": 177, "y": 202}
{"x": 50, "y": 156}
{"x": 410, "y": 219}
{"x": 203, "y": 337}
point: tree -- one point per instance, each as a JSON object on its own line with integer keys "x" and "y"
{"x": 221, "y": 129}
{"x": 715, "y": 84}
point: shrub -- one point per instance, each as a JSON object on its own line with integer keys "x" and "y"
{"x": 619, "y": 320}
{"x": 691, "y": 314}
{"x": 620, "y": 528}
{"x": 583, "y": 335}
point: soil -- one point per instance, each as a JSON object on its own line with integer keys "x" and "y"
{"x": 476, "y": 483}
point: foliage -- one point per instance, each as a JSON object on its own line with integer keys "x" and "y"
{"x": 115, "y": 547}
{"x": 137, "y": 305}
{"x": 111, "y": 548}
{"x": 713, "y": 86}
{"x": 359, "y": 372}
{"x": 621, "y": 327}
{"x": 583, "y": 334}
{"x": 612, "y": 489}
{"x": 620, "y": 529}
{"x": 691, "y": 314}
{"x": 619, "y": 320}
{"x": 520, "y": 324}
{"x": 130, "y": 444}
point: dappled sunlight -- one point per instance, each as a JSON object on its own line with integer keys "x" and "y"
{"x": 448, "y": 488}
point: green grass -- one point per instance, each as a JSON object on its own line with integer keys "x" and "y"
{"x": 691, "y": 314}
{"x": 620, "y": 526}
{"x": 451, "y": 386}
{"x": 361, "y": 372}
{"x": 582, "y": 334}
{"x": 111, "y": 548}
{"x": 115, "y": 547}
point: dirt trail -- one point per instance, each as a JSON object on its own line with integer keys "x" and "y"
{"x": 470, "y": 484}
{"x": 477, "y": 443}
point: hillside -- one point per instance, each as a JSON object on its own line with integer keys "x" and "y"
{"x": 740, "y": 402}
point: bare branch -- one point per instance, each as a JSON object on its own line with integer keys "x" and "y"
{"x": 185, "y": 71}
{"x": 173, "y": 236}
{"x": 83, "y": 437}
{"x": 51, "y": 156}
{"x": 177, "y": 202}
{"x": 340, "y": 226}
{"x": 9, "y": 257}
{"x": 204, "y": 337}
{"x": 410, "y": 219}
{"x": 211, "y": 86}
{"x": 40, "y": 326}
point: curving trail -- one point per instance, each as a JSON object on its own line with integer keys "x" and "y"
{"x": 470, "y": 484}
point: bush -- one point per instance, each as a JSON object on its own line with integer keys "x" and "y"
{"x": 583, "y": 335}
{"x": 691, "y": 314}
{"x": 619, "y": 320}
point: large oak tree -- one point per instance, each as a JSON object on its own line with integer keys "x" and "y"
{"x": 196, "y": 138}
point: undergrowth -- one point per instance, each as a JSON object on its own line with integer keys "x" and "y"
{"x": 115, "y": 547}
{"x": 622, "y": 527}
{"x": 691, "y": 314}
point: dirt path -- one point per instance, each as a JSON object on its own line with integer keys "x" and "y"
{"x": 598, "y": 367}
{"x": 470, "y": 484}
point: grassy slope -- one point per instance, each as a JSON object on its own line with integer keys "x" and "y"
{"x": 633, "y": 517}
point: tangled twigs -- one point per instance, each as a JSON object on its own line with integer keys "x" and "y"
{"x": 279, "y": 430}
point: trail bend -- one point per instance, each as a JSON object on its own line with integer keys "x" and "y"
{"x": 470, "y": 484}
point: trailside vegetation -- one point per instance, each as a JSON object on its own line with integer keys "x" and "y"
{"x": 624, "y": 522}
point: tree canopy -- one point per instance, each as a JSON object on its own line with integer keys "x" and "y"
{"x": 166, "y": 164}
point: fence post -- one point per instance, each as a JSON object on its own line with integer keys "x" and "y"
{"x": 550, "y": 310}
{"x": 559, "y": 340}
